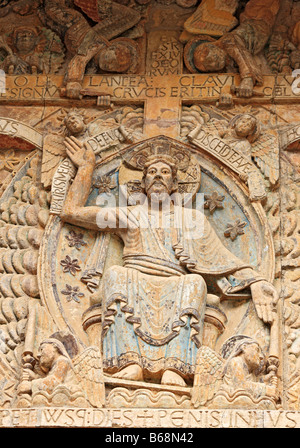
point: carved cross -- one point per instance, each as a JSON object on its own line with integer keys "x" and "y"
{"x": 163, "y": 96}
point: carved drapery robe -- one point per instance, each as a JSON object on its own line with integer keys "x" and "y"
{"x": 154, "y": 305}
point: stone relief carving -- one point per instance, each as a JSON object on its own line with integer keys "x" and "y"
{"x": 112, "y": 44}
{"x": 153, "y": 277}
{"x": 31, "y": 50}
{"x": 243, "y": 132}
{"x": 109, "y": 37}
{"x": 63, "y": 378}
{"x": 57, "y": 170}
{"x": 226, "y": 390}
{"x": 86, "y": 42}
{"x": 235, "y": 378}
{"x": 98, "y": 311}
{"x": 238, "y": 46}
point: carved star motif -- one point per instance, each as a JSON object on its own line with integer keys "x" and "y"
{"x": 72, "y": 293}
{"x": 8, "y": 160}
{"x": 70, "y": 265}
{"x": 234, "y": 230}
{"x": 213, "y": 201}
{"x": 75, "y": 239}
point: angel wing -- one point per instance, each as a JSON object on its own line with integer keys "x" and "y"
{"x": 265, "y": 153}
{"x": 88, "y": 369}
{"x": 208, "y": 375}
{"x": 213, "y": 18}
{"x": 24, "y": 210}
{"x": 191, "y": 117}
{"x": 90, "y": 8}
{"x": 113, "y": 18}
{"x": 216, "y": 126}
{"x": 53, "y": 152}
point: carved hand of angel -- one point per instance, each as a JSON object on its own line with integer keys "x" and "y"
{"x": 80, "y": 154}
{"x": 245, "y": 89}
{"x": 225, "y": 100}
{"x": 28, "y": 375}
{"x": 272, "y": 391}
{"x": 72, "y": 90}
{"x": 265, "y": 298}
{"x": 25, "y": 385}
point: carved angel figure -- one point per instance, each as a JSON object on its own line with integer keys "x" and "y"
{"x": 251, "y": 139}
{"x": 247, "y": 135}
{"x": 54, "y": 149}
{"x": 32, "y": 50}
{"x": 78, "y": 379}
{"x": 86, "y": 42}
{"x": 237, "y": 372}
{"x": 238, "y": 46}
{"x": 75, "y": 125}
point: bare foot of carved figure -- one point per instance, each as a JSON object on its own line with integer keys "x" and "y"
{"x": 172, "y": 379}
{"x": 133, "y": 373}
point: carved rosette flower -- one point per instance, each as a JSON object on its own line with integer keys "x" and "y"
{"x": 8, "y": 160}
{"x": 234, "y": 230}
{"x": 75, "y": 239}
{"x": 104, "y": 184}
{"x": 72, "y": 293}
{"x": 70, "y": 265}
{"x": 213, "y": 201}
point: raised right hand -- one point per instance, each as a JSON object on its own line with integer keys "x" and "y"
{"x": 80, "y": 154}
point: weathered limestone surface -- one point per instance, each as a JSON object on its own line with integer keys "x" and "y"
{"x": 118, "y": 307}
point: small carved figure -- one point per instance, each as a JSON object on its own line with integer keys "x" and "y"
{"x": 54, "y": 148}
{"x": 253, "y": 141}
{"x": 31, "y": 50}
{"x": 238, "y": 46}
{"x": 25, "y": 60}
{"x": 236, "y": 374}
{"x": 242, "y": 131}
{"x": 61, "y": 371}
{"x": 244, "y": 364}
{"x": 56, "y": 369}
{"x": 86, "y": 42}
{"x": 246, "y": 134}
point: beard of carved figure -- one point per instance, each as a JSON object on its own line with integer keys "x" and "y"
{"x": 160, "y": 178}
{"x": 209, "y": 58}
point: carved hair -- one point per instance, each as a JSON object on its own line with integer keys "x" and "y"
{"x": 168, "y": 160}
{"x": 256, "y": 127}
{"x": 201, "y": 54}
{"x": 58, "y": 345}
{"x": 237, "y": 348}
{"x": 34, "y": 30}
{"x": 75, "y": 112}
